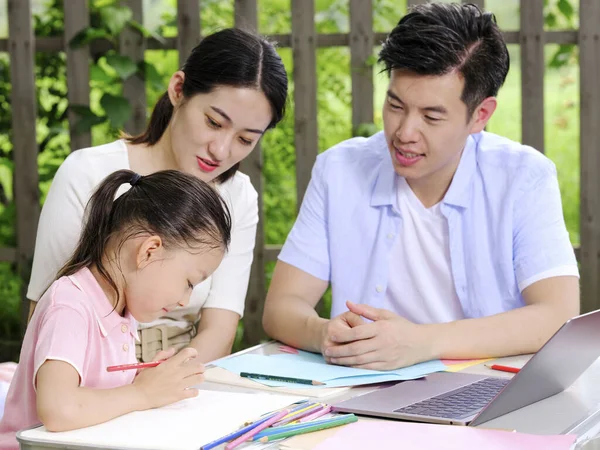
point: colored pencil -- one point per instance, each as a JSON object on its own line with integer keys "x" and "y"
{"x": 144, "y": 365}
{"x": 299, "y": 414}
{"x": 304, "y": 407}
{"x": 316, "y": 415}
{"x": 348, "y": 418}
{"x": 261, "y": 376}
{"x": 237, "y": 433}
{"x": 504, "y": 368}
{"x": 301, "y": 405}
{"x": 298, "y": 426}
{"x": 257, "y": 429}
{"x": 288, "y": 349}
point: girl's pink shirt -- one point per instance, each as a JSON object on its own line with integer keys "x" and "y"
{"x": 73, "y": 322}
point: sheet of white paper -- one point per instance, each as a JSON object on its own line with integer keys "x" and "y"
{"x": 188, "y": 424}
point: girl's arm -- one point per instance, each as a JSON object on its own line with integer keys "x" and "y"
{"x": 62, "y": 404}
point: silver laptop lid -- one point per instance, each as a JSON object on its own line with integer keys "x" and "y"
{"x": 572, "y": 349}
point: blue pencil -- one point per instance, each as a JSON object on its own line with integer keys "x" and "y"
{"x": 237, "y": 433}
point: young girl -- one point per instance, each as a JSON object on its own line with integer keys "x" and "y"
{"x": 138, "y": 258}
{"x": 231, "y": 90}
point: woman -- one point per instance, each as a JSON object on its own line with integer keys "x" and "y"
{"x": 230, "y": 91}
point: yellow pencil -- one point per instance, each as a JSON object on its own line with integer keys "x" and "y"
{"x": 295, "y": 413}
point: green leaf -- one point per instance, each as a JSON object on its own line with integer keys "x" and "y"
{"x": 115, "y": 18}
{"x": 87, "y": 118}
{"x": 550, "y": 20}
{"x": 123, "y": 65}
{"x": 562, "y": 56}
{"x": 104, "y": 3}
{"x": 371, "y": 61}
{"x": 98, "y": 74}
{"x": 151, "y": 75}
{"x": 81, "y": 110}
{"x": 365, "y": 130}
{"x": 7, "y": 163}
{"x": 86, "y": 36}
{"x": 565, "y": 8}
{"x": 117, "y": 109}
{"x": 146, "y": 32}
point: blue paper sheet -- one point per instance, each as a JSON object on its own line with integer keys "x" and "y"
{"x": 313, "y": 367}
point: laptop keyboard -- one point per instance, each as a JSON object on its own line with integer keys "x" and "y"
{"x": 459, "y": 403}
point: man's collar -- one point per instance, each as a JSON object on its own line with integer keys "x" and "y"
{"x": 458, "y": 194}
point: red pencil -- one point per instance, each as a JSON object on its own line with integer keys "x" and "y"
{"x": 133, "y": 366}
{"x": 504, "y": 368}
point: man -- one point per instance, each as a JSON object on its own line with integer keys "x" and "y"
{"x": 439, "y": 240}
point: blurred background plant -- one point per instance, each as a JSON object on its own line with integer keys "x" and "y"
{"x": 109, "y": 110}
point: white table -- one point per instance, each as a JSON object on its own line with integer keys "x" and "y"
{"x": 576, "y": 410}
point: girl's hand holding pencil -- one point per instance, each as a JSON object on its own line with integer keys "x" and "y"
{"x": 171, "y": 380}
{"x": 163, "y": 355}
{"x": 160, "y": 357}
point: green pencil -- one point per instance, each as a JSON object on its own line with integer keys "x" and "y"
{"x": 261, "y": 376}
{"x": 348, "y": 418}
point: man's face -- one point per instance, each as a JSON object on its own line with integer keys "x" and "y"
{"x": 426, "y": 126}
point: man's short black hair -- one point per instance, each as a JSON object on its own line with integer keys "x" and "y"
{"x": 439, "y": 38}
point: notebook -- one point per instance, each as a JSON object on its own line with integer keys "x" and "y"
{"x": 186, "y": 425}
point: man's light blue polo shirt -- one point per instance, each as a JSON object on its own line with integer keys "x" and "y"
{"x": 504, "y": 212}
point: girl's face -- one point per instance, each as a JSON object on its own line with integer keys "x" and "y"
{"x": 210, "y": 133}
{"x": 158, "y": 280}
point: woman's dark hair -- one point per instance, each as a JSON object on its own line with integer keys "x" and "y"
{"x": 436, "y": 39}
{"x": 180, "y": 208}
{"x": 230, "y": 57}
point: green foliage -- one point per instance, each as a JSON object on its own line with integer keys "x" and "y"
{"x": 115, "y": 18}
{"x": 117, "y": 109}
{"x": 52, "y": 140}
{"x": 108, "y": 109}
{"x": 108, "y": 20}
{"x": 561, "y": 14}
{"x": 10, "y": 286}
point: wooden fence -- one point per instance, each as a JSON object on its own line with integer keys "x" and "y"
{"x": 304, "y": 41}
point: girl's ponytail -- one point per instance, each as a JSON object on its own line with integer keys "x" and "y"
{"x": 98, "y": 226}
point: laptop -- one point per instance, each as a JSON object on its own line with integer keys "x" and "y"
{"x": 467, "y": 399}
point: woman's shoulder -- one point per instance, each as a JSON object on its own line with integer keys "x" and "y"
{"x": 238, "y": 191}
{"x": 105, "y": 158}
{"x": 84, "y": 169}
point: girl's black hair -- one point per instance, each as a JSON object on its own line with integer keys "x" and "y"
{"x": 180, "y": 208}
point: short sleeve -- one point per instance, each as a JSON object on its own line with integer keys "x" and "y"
{"x": 63, "y": 336}
{"x": 542, "y": 248}
{"x": 307, "y": 245}
{"x": 229, "y": 282}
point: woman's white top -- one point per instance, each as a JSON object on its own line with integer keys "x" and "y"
{"x": 61, "y": 223}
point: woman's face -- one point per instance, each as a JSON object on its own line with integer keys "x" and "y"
{"x": 212, "y": 132}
